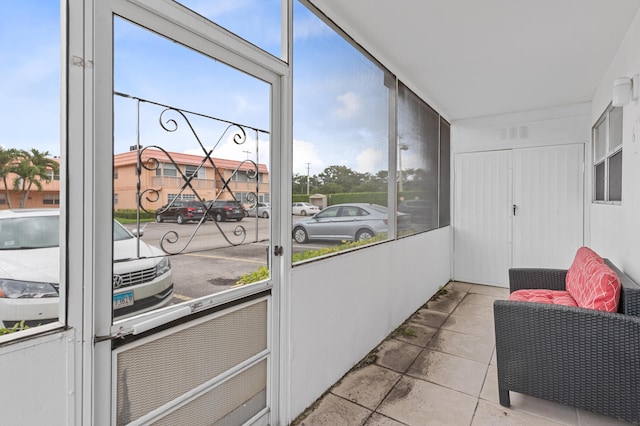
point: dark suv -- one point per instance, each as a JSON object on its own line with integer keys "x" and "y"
{"x": 180, "y": 211}
{"x": 222, "y": 210}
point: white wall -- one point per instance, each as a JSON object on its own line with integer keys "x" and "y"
{"x": 342, "y": 307}
{"x": 553, "y": 126}
{"x": 615, "y": 230}
{"x": 37, "y": 381}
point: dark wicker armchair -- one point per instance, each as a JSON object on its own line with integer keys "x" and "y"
{"x": 580, "y": 357}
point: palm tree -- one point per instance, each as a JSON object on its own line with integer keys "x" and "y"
{"x": 33, "y": 168}
{"x": 8, "y": 159}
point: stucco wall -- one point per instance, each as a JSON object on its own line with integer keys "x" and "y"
{"x": 615, "y": 229}
{"x": 342, "y": 307}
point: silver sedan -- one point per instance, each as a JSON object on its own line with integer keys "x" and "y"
{"x": 350, "y": 222}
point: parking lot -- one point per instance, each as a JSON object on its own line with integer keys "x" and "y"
{"x": 210, "y": 258}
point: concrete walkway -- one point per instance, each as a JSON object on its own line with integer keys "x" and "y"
{"x": 438, "y": 368}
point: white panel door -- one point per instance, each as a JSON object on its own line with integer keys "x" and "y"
{"x": 548, "y": 195}
{"x": 482, "y": 217}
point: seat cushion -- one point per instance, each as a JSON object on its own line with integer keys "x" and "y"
{"x": 554, "y": 297}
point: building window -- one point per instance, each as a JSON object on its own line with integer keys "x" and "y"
{"x": 607, "y": 156}
{"x": 115, "y": 199}
{"x": 193, "y": 171}
{"x": 51, "y": 199}
{"x": 181, "y": 197}
{"x": 115, "y": 174}
{"x": 170, "y": 170}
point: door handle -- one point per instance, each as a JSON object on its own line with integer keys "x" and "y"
{"x": 514, "y": 209}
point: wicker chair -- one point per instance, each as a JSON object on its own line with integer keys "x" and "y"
{"x": 580, "y": 357}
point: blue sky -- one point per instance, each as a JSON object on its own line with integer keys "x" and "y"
{"x": 336, "y": 93}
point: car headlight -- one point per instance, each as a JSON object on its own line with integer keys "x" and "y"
{"x": 163, "y": 267}
{"x": 14, "y": 289}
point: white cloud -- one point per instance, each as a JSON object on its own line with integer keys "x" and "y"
{"x": 370, "y": 160}
{"x": 303, "y": 153}
{"x": 349, "y": 105}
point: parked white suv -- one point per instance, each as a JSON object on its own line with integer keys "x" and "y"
{"x": 30, "y": 265}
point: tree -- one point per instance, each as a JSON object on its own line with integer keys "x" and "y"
{"x": 343, "y": 176}
{"x": 33, "y": 168}
{"x": 8, "y": 159}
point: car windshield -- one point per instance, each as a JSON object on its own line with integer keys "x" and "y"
{"x": 120, "y": 233}
{"x": 34, "y": 232}
{"x": 30, "y": 232}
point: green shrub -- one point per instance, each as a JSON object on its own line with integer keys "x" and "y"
{"x": 130, "y": 215}
{"x": 19, "y": 326}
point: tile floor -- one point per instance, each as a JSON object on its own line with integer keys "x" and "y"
{"x": 438, "y": 368}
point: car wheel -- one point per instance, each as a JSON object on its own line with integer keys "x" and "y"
{"x": 303, "y": 212}
{"x": 239, "y": 219}
{"x": 180, "y": 219}
{"x": 265, "y": 215}
{"x": 300, "y": 235}
{"x": 364, "y": 234}
{"x": 218, "y": 217}
{"x": 159, "y": 218}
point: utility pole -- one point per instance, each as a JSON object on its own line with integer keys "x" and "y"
{"x": 308, "y": 164}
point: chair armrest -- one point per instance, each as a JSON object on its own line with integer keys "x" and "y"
{"x": 536, "y": 278}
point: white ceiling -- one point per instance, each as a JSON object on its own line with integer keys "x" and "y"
{"x": 470, "y": 58}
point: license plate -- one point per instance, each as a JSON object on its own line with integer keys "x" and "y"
{"x": 123, "y": 300}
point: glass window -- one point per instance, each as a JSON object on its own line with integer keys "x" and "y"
{"x": 615, "y": 177}
{"x": 170, "y": 170}
{"x": 341, "y": 127}
{"x": 418, "y": 159}
{"x": 599, "y": 181}
{"x": 607, "y": 156}
{"x": 180, "y": 128}
{"x": 30, "y": 57}
{"x": 194, "y": 171}
{"x": 444, "y": 218}
{"x": 257, "y": 21}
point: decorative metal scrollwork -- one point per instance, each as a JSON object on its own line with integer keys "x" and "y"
{"x": 152, "y": 157}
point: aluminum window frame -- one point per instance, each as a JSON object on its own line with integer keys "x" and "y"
{"x": 603, "y": 128}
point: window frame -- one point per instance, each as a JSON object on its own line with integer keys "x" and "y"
{"x": 601, "y": 164}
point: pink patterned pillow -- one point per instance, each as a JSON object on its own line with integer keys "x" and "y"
{"x": 554, "y": 297}
{"x": 581, "y": 269}
{"x": 601, "y": 289}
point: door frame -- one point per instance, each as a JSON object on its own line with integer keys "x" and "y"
{"x": 165, "y": 17}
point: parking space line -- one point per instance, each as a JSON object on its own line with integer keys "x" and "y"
{"x": 259, "y": 262}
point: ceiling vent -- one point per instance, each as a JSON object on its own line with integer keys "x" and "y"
{"x": 515, "y": 133}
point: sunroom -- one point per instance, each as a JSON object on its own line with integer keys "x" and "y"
{"x": 491, "y": 135}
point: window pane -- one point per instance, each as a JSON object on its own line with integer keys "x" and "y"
{"x": 257, "y": 21}
{"x": 178, "y": 104}
{"x": 599, "y": 182}
{"x": 445, "y": 171}
{"x": 418, "y": 157}
{"x": 341, "y": 135}
{"x": 615, "y": 177}
{"x": 615, "y": 128}
{"x": 30, "y": 150}
{"x": 600, "y": 141}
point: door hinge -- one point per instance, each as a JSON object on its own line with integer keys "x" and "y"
{"x": 278, "y": 250}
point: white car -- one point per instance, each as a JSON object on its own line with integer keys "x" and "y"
{"x": 260, "y": 210}
{"x": 305, "y": 209}
{"x": 30, "y": 264}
